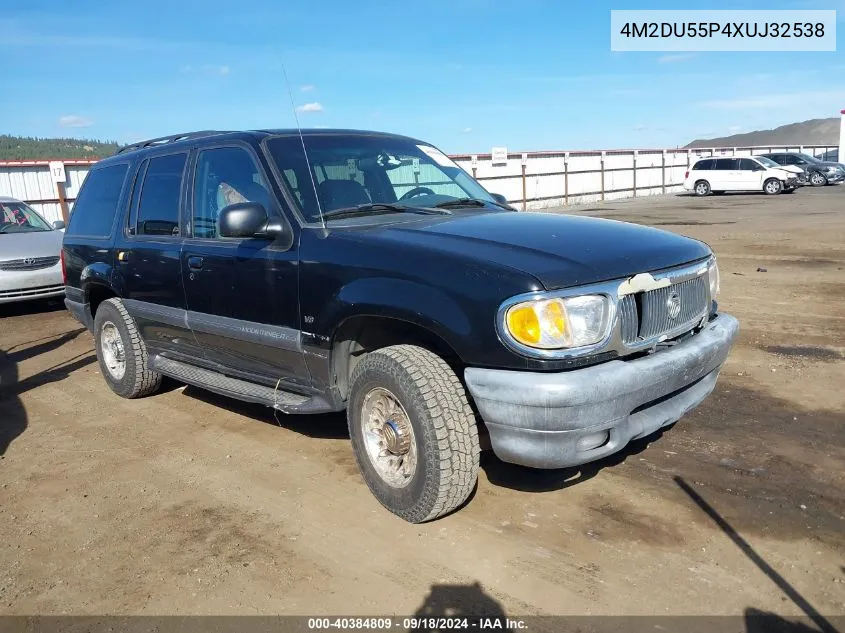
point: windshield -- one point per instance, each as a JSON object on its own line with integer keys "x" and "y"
{"x": 17, "y": 217}
{"x": 768, "y": 162}
{"x": 353, "y": 170}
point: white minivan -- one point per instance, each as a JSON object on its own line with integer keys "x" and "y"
{"x": 717, "y": 175}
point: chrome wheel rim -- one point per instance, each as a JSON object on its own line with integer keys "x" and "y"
{"x": 817, "y": 178}
{"x": 113, "y": 352}
{"x": 388, "y": 437}
{"x": 772, "y": 187}
{"x": 701, "y": 189}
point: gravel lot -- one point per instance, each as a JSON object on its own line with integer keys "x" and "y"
{"x": 187, "y": 503}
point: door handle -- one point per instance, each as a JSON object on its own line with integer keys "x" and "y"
{"x": 195, "y": 262}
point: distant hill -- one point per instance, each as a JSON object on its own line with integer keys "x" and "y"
{"x": 812, "y": 132}
{"x": 30, "y": 148}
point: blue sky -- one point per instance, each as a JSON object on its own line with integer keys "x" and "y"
{"x": 462, "y": 74}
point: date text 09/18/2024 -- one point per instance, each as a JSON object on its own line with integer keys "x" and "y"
{"x": 417, "y": 623}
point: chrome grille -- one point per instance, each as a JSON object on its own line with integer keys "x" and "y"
{"x": 28, "y": 263}
{"x": 651, "y": 314}
{"x": 629, "y": 319}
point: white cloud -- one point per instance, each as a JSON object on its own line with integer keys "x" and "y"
{"x": 672, "y": 59}
{"x": 467, "y": 130}
{"x": 311, "y": 107}
{"x": 734, "y": 128}
{"x": 214, "y": 69}
{"x": 72, "y": 120}
{"x": 308, "y": 88}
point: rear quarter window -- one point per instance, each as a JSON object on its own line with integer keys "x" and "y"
{"x": 96, "y": 206}
{"x": 706, "y": 163}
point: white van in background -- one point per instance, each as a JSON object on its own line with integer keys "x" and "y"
{"x": 717, "y": 175}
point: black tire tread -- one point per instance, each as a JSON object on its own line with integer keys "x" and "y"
{"x": 143, "y": 381}
{"x": 450, "y": 417}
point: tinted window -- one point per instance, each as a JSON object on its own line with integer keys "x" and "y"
{"x": 746, "y": 164}
{"x": 780, "y": 159}
{"x": 225, "y": 175}
{"x": 345, "y": 171}
{"x": 158, "y": 206}
{"x": 725, "y": 164}
{"x": 705, "y": 164}
{"x": 95, "y": 207}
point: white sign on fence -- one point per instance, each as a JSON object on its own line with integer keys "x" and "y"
{"x": 499, "y": 156}
{"x": 57, "y": 171}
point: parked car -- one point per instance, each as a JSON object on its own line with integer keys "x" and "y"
{"x": 819, "y": 172}
{"x": 800, "y": 173}
{"x": 372, "y": 274}
{"x": 30, "y": 248}
{"x": 717, "y": 175}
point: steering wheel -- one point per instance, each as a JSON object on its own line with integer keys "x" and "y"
{"x": 418, "y": 191}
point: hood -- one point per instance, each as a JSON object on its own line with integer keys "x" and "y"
{"x": 35, "y": 244}
{"x": 559, "y": 250}
{"x": 795, "y": 169}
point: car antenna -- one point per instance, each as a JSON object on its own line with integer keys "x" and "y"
{"x": 304, "y": 151}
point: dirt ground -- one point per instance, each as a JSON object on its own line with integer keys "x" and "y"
{"x": 187, "y": 503}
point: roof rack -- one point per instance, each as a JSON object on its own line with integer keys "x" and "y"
{"x": 161, "y": 140}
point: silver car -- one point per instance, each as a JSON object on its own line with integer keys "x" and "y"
{"x": 30, "y": 249}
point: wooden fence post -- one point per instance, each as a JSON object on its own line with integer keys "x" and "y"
{"x": 602, "y": 175}
{"x": 566, "y": 178}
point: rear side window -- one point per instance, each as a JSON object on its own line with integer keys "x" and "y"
{"x": 96, "y": 206}
{"x": 158, "y": 206}
{"x": 705, "y": 164}
{"x": 726, "y": 164}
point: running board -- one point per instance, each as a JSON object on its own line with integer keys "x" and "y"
{"x": 283, "y": 401}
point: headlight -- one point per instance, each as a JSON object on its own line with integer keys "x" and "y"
{"x": 559, "y": 322}
{"x": 713, "y": 274}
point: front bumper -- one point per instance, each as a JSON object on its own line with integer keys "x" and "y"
{"x": 31, "y": 284}
{"x": 551, "y": 420}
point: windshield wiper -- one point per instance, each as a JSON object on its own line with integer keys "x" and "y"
{"x": 368, "y": 209}
{"x": 469, "y": 202}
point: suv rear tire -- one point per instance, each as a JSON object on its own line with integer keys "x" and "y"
{"x": 413, "y": 432}
{"x": 121, "y": 352}
{"x": 702, "y": 188}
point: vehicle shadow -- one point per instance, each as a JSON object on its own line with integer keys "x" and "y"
{"x": 457, "y": 601}
{"x": 526, "y": 479}
{"x": 13, "y": 416}
{"x": 40, "y": 306}
{"x": 13, "y": 421}
{"x": 327, "y": 426}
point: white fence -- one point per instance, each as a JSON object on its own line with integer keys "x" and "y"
{"x": 32, "y": 182}
{"x": 537, "y": 180}
{"x": 531, "y": 180}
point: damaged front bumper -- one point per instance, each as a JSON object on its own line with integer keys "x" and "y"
{"x": 555, "y": 420}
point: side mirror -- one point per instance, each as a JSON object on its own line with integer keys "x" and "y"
{"x": 499, "y": 198}
{"x": 248, "y": 219}
{"x": 59, "y": 225}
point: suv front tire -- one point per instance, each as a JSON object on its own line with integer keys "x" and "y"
{"x": 413, "y": 432}
{"x": 121, "y": 352}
